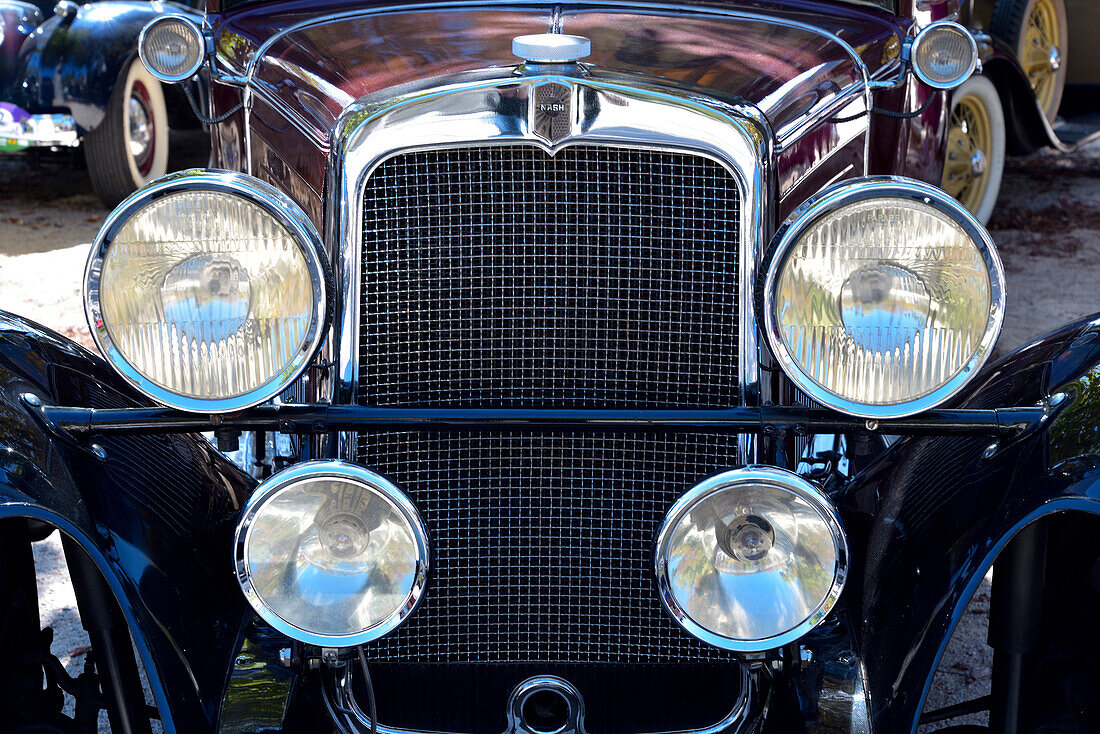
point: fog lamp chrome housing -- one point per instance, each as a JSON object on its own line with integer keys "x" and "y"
{"x": 331, "y": 554}
{"x": 172, "y": 48}
{"x": 751, "y": 559}
{"x": 207, "y": 291}
{"x": 944, "y": 55}
{"x": 884, "y": 297}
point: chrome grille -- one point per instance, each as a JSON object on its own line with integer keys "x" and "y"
{"x": 500, "y": 276}
{"x": 504, "y": 277}
{"x": 543, "y": 543}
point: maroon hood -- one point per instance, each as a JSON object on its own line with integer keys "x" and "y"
{"x": 772, "y": 60}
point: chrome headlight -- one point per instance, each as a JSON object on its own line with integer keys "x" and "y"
{"x": 207, "y": 291}
{"x": 331, "y": 554}
{"x": 944, "y": 55}
{"x": 172, "y": 48}
{"x": 883, "y": 298}
{"x": 751, "y": 559}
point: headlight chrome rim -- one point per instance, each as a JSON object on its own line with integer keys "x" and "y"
{"x": 923, "y": 36}
{"x": 346, "y": 472}
{"x": 193, "y": 28}
{"x": 752, "y": 474}
{"x": 285, "y": 210}
{"x": 852, "y": 192}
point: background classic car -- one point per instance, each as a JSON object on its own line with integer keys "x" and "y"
{"x": 70, "y": 76}
{"x": 544, "y": 462}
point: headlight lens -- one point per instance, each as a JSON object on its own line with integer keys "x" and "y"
{"x": 883, "y": 298}
{"x": 206, "y": 293}
{"x": 331, "y": 554}
{"x": 751, "y": 559}
{"x": 944, "y": 55}
{"x": 172, "y": 48}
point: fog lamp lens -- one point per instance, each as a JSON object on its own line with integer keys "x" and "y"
{"x": 331, "y": 554}
{"x": 751, "y": 559}
{"x": 944, "y": 55}
{"x": 172, "y": 48}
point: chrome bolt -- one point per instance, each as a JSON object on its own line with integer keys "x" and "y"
{"x": 1057, "y": 399}
{"x": 99, "y": 451}
{"x": 990, "y": 451}
{"x": 978, "y": 163}
{"x": 329, "y": 657}
{"x": 285, "y": 656}
{"x": 1055, "y": 59}
{"x": 32, "y": 400}
{"x": 872, "y": 425}
{"x": 242, "y": 661}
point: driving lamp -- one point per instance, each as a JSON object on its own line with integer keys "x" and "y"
{"x": 206, "y": 291}
{"x": 331, "y": 554}
{"x": 172, "y": 48}
{"x": 884, "y": 297}
{"x": 944, "y": 55}
{"x": 751, "y": 559}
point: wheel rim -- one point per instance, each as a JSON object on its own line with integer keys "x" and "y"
{"x": 141, "y": 134}
{"x": 969, "y": 142}
{"x": 1041, "y": 54}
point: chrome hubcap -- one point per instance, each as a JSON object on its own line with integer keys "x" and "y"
{"x": 141, "y": 134}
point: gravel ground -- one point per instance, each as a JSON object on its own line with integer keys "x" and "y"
{"x": 1047, "y": 228}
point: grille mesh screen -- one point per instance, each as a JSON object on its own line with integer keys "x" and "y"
{"x": 543, "y": 543}
{"x": 503, "y": 277}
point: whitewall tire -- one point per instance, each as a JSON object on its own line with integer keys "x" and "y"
{"x": 130, "y": 146}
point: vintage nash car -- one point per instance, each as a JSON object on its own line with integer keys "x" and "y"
{"x": 601, "y": 367}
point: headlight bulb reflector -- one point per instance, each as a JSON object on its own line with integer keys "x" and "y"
{"x": 751, "y": 559}
{"x": 331, "y": 554}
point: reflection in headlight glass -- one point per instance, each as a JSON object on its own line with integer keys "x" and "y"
{"x": 331, "y": 556}
{"x": 883, "y": 301}
{"x": 206, "y": 294}
{"x": 763, "y": 588}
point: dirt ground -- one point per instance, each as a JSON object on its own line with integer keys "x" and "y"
{"x": 1047, "y": 227}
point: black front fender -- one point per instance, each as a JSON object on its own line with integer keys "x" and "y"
{"x": 930, "y": 515}
{"x": 155, "y": 515}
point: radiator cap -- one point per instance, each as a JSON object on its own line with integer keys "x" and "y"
{"x": 551, "y": 48}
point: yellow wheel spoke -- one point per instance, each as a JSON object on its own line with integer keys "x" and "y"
{"x": 971, "y": 131}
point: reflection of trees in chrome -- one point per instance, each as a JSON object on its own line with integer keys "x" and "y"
{"x": 310, "y": 586}
{"x": 744, "y": 599}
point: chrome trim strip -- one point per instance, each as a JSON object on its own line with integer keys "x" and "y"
{"x": 350, "y": 473}
{"x": 730, "y": 480}
{"x": 345, "y": 711}
{"x": 851, "y": 192}
{"x": 276, "y": 204}
{"x": 489, "y": 113}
